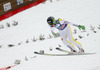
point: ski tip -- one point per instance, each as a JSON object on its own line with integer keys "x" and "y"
{"x": 36, "y": 52}
{"x": 57, "y": 48}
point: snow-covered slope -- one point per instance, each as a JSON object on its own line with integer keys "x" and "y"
{"x": 32, "y": 22}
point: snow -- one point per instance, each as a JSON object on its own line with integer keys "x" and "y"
{"x": 32, "y": 22}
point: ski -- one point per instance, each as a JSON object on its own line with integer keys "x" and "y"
{"x": 47, "y": 54}
{"x": 62, "y": 50}
{"x": 70, "y": 54}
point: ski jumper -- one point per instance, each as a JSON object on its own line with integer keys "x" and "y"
{"x": 66, "y": 34}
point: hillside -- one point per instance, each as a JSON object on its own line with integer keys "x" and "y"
{"x": 32, "y": 23}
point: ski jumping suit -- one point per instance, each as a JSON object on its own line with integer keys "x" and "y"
{"x": 66, "y": 33}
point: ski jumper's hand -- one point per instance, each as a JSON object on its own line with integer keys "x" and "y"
{"x": 54, "y": 34}
{"x": 81, "y": 27}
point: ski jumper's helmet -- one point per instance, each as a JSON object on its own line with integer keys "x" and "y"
{"x": 51, "y": 20}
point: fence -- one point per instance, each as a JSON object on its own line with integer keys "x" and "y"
{"x": 7, "y": 6}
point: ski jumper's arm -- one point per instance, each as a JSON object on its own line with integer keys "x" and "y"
{"x": 72, "y": 23}
{"x": 67, "y": 22}
{"x": 79, "y": 26}
{"x": 52, "y": 29}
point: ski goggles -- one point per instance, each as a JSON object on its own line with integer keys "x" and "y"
{"x": 50, "y": 23}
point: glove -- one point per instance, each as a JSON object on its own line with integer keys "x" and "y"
{"x": 54, "y": 34}
{"x": 81, "y": 27}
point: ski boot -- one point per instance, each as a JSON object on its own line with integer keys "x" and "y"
{"x": 81, "y": 51}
